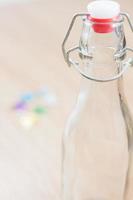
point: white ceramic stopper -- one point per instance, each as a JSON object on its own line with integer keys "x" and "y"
{"x": 103, "y": 9}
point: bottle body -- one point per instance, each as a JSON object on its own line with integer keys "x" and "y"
{"x": 95, "y": 153}
{"x": 95, "y": 146}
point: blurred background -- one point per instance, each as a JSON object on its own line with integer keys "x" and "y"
{"x": 32, "y": 67}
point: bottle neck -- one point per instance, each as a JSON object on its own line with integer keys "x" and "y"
{"x": 97, "y": 52}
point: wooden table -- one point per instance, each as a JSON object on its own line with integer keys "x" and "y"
{"x": 30, "y": 57}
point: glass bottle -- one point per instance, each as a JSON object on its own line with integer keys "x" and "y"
{"x": 95, "y": 143}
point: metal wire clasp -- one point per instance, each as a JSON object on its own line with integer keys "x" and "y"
{"x": 70, "y": 62}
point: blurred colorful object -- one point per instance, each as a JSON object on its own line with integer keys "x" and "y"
{"x": 32, "y": 106}
{"x": 27, "y": 120}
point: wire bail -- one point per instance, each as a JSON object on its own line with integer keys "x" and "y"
{"x": 70, "y": 62}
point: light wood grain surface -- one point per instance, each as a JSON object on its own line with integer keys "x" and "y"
{"x": 30, "y": 57}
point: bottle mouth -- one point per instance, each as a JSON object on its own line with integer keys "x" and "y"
{"x": 105, "y": 25}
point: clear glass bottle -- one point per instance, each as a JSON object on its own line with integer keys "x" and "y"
{"x": 95, "y": 146}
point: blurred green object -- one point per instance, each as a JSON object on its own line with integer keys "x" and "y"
{"x": 40, "y": 110}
